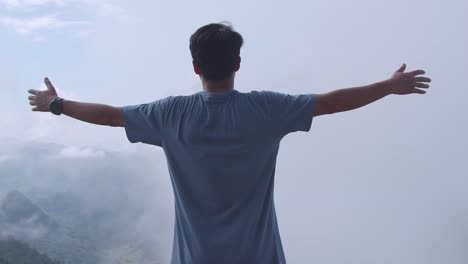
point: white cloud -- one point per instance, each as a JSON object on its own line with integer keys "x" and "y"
{"x": 81, "y": 152}
{"x": 30, "y": 17}
{"x": 29, "y": 3}
{"x": 27, "y": 26}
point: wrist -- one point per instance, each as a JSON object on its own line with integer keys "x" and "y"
{"x": 56, "y": 106}
{"x": 387, "y": 86}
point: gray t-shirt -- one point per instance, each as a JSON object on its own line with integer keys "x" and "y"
{"x": 221, "y": 152}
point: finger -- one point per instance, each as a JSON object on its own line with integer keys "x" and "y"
{"x": 32, "y": 91}
{"x": 418, "y": 91}
{"x": 32, "y": 102}
{"x": 417, "y": 72}
{"x": 422, "y": 79}
{"x": 421, "y": 85}
{"x": 402, "y": 68}
{"x": 49, "y": 85}
{"x": 32, "y": 97}
{"x": 35, "y": 109}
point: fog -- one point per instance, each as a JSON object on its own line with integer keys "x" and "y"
{"x": 126, "y": 195}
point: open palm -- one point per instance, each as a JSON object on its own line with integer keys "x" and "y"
{"x": 41, "y": 99}
{"x": 409, "y": 82}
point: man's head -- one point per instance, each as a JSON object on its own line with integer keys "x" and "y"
{"x": 215, "y": 51}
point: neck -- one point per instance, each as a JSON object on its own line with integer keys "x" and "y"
{"x": 218, "y": 86}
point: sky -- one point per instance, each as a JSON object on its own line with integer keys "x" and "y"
{"x": 385, "y": 183}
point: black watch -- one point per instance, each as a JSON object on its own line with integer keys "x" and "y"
{"x": 55, "y": 107}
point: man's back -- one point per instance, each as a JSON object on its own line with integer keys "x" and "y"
{"x": 221, "y": 150}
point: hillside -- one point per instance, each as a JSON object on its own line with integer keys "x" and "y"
{"x": 23, "y": 220}
{"x": 15, "y": 252}
{"x": 17, "y": 208}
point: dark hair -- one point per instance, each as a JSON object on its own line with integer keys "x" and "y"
{"x": 215, "y": 50}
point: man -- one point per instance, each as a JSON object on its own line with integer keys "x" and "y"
{"x": 221, "y": 147}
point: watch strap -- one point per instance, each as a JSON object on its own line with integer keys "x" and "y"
{"x": 55, "y": 107}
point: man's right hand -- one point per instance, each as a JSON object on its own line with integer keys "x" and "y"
{"x": 408, "y": 82}
{"x": 41, "y": 99}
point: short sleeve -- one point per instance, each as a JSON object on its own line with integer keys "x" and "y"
{"x": 290, "y": 113}
{"x": 144, "y": 122}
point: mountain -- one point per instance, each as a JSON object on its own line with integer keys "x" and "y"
{"x": 60, "y": 226}
{"x": 110, "y": 228}
{"x": 23, "y": 220}
{"x": 16, "y": 208}
{"x": 15, "y": 252}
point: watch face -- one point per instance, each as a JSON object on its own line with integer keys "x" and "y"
{"x": 54, "y": 106}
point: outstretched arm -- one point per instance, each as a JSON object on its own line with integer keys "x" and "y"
{"x": 351, "y": 98}
{"x": 98, "y": 114}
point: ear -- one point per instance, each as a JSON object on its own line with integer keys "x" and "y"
{"x": 195, "y": 68}
{"x": 238, "y": 64}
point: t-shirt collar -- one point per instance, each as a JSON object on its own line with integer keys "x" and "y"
{"x": 216, "y": 96}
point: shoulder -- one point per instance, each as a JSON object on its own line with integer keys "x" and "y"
{"x": 267, "y": 94}
{"x": 260, "y": 94}
{"x": 267, "y": 97}
{"x": 173, "y": 100}
{"x": 176, "y": 104}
